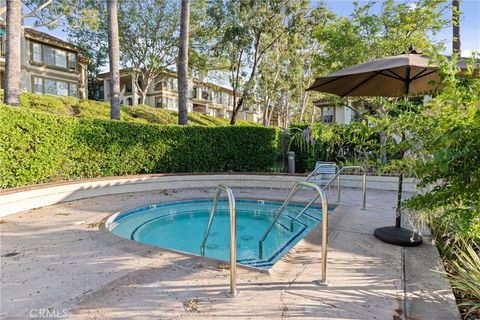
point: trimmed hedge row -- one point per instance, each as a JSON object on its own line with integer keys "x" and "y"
{"x": 36, "y": 147}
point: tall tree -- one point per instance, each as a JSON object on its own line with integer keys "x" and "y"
{"x": 149, "y": 40}
{"x": 370, "y": 34}
{"x": 183, "y": 63}
{"x": 87, "y": 29}
{"x": 114, "y": 57}
{"x": 287, "y": 69}
{"x": 13, "y": 56}
{"x": 246, "y": 30}
{"x": 456, "y": 26}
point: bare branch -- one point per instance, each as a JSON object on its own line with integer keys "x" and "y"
{"x": 37, "y": 10}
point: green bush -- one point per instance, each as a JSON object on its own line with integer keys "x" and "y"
{"x": 38, "y": 147}
{"x": 357, "y": 143}
{"x": 101, "y": 110}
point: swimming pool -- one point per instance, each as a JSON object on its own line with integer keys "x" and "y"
{"x": 181, "y": 226}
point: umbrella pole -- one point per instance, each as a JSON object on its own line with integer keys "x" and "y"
{"x": 396, "y": 234}
{"x": 398, "y": 219}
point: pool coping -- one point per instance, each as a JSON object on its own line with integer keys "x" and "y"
{"x": 26, "y": 198}
{"x": 313, "y": 236}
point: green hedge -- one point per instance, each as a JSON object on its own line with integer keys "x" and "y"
{"x": 37, "y": 147}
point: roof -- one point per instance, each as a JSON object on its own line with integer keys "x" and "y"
{"x": 47, "y": 38}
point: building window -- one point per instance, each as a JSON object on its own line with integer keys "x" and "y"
{"x": 56, "y": 87}
{"x": 158, "y": 102}
{"x": 328, "y": 115}
{"x": 37, "y": 52}
{"x": 38, "y": 85}
{"x": 171, "y": 84}
{"x": 206, "y": 95}
{"x": 194, "y": 92}
{"x": 72, "y": 60}
{"x": 73, "y": 90}
{"x": 62, "y": 88}
{"x": 101, "y": 91}
{"x": 60, "y": 58}
{"x": 167, "y": 103}
{"x": 51, "y": 56}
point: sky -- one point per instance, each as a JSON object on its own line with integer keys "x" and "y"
{"x": 469, "y": 23}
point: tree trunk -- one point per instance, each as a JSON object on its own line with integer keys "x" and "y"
{"x": 456, "y": 26}
{"x": 383, "y": 147}
{"x": 183, "y": 63}
{"x": 114, "y": 57}
{"x": 143, "y": 98}
{"x": 287, "y": 112}
{"x": 303, "y": 105}
{"x": 13, "y": 57}
{"x": 235, "y": 111}
{"x": 265, "y": 114}
{"x": 270, "y": 115}
{"x": 312, "y": 118}
{"x": 239, "y": 105}
{"x": 266, "y": 106}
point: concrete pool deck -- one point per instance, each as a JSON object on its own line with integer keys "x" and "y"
{"x": 59, "y": 260}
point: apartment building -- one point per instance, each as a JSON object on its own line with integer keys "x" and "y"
{"x": 204, "y": 97}
{"x": 49, "y": 65}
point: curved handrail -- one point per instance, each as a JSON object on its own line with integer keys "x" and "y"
{"x": 364, "y": 183}
{"x": 337, "y": 176}
{"x": 296, "y": 187}
{"x": 233, "y": 234}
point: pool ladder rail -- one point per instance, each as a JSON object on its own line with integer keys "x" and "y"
{"x": 320, "y": 169}
{"x": 233, "y": 234}
{"x": 296, "y": 187}
{"x": 330, "y": 182}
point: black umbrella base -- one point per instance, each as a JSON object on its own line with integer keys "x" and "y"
{"x": 398, "y": 236}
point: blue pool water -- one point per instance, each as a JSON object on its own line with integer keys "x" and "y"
{"x": 181, "y": 225}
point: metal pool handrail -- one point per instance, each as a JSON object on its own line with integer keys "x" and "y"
{"x": 337, "y": 176}
{"x": 296, "y": 187}
{"x": 233, "y": 234}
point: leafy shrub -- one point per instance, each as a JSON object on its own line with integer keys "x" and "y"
{"x": 37, "y": 147}
{"x": 101, "y": 110}
{"x": 464, "y": 275}
{"x": 447, "y": 136}
{"x": 356, "y": 143}
{"x": 46, "y": 103}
